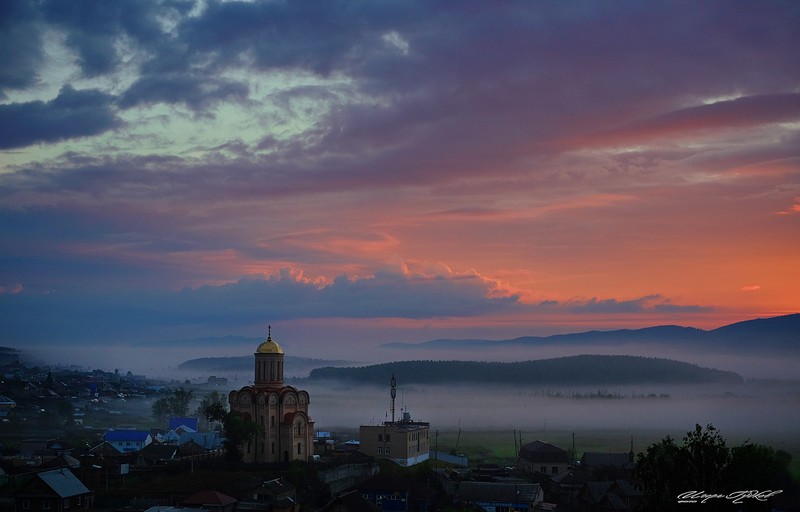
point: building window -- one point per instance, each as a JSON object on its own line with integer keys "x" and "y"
{"x": 543, "y": 470}
{"x": 387, "y": 438}
{"x": 66, "y": 503}
{"x": 26, "y": 504}
{"x": 272, "y": 421}
{"x": 78, "y": 500}
{"x": 273, "y": 449}
{"x": 299, "y": 448}
{"x": 380, "y": 451}
{"x": 380, "y": 437}
{"x": 387, "y": 450}
{"x": 45, "y": 505}
{"x": 555, "y": 470}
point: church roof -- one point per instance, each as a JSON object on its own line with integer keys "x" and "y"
{"x": 269, "y": 346}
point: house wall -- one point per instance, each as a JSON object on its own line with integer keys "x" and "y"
{"x": 544, "y": 467}
{"x": 407, "y": 445}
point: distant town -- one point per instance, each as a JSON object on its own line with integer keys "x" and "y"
{"x": 74, "y": 439}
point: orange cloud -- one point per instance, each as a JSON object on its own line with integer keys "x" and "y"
{"x": 11, "y": 289}
{"x": 795, "y": 208}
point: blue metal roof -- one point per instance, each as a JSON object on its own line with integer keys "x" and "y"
{"x": 192, "y": 423}
{"x": 126, "y": 435}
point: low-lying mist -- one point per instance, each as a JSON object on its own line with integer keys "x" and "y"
{"x": 163, "y": 361}
{"x": 760, "y": 412}
{"x": 763, "y": 411}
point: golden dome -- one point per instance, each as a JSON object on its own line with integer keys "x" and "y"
{"x": 269, "y": 346}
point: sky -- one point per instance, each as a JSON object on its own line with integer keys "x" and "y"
{"x": 354, "y": 173}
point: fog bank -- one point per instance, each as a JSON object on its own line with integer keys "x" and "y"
{"x": 750, "y": 410}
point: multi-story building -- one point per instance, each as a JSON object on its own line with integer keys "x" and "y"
{"x": 406, "y": 442}
{"x": 281, "y": 411}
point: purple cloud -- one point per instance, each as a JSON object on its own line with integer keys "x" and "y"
{"x": 20, "y": 45}
{"x": 70, "y": 115}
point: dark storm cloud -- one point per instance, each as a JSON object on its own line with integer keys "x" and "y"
{"x": 79, "y": 312}
{"x": 479, "y": 83}
{"x": 321, "y": 37}
{"x": 95, "y": 28}
{"x": 20, "y": 45}
{"x": 71, "y": 114}
{"x": 76, "y": 313}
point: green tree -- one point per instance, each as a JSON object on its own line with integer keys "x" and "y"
{"x": 238, "y": 432}
{"x": 213, "y": 407}
{"x": 706, "y": 458}
{"x": 755, "y": 466}
{"x": 704, "y": 464}
{"x": 660, "y": 473}
{"x": 176, "y": 403}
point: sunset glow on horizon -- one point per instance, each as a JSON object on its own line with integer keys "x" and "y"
{"x": 395, "y": 171}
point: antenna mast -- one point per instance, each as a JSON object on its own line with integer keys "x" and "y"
{"x": 394, "y": 394}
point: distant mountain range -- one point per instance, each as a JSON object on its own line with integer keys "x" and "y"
{"x": 777, "y": 335}
{"x": 573, "y": 370}
{"x": 766, "y": 335}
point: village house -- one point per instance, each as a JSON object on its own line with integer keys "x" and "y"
{"x": 618, "y": 495}
{"x": 543, "y": 458}
{"x": 128, "y": 440}
{"x": 499, "y": 496}
{"x": 276, "y": 495}
{"x": 393, "y": 493}
{"x": 55, "y": 490}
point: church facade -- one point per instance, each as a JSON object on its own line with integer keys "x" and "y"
{"x": 286, "y": 430}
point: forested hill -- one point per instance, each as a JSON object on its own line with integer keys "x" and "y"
{"x": 574, "y": 370}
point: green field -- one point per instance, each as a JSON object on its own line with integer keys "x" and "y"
{"x": 497, "y": 447}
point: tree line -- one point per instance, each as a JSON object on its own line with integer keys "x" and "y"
{"x": 703, "y": 472}
{"x": 585, "y": 369}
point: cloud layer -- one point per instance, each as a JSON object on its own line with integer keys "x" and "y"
{"x": 179, "y": 166}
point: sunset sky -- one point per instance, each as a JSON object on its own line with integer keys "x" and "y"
{"x": 364, "y": 172}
